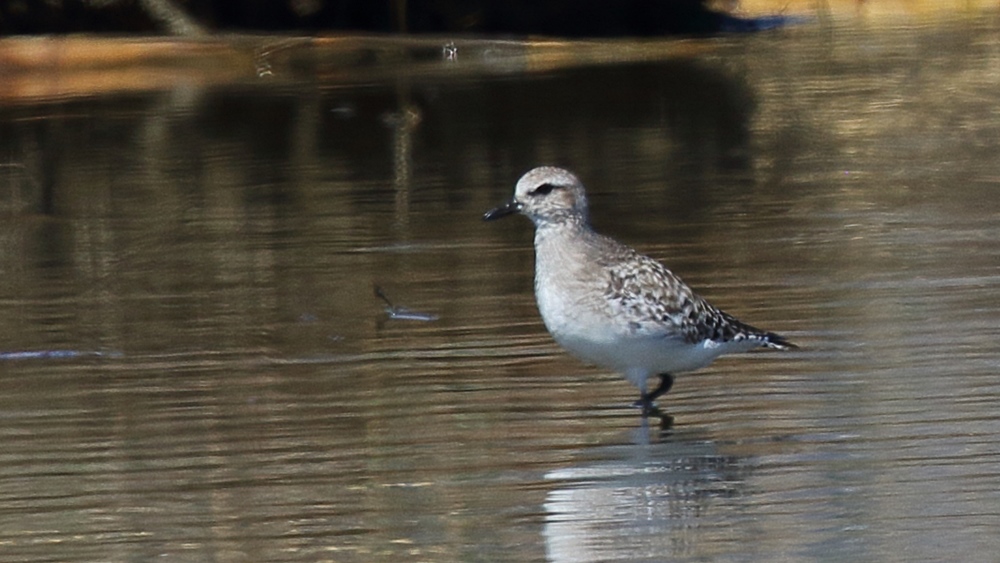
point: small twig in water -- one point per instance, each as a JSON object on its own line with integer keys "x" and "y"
{"x": 402, "y": 313}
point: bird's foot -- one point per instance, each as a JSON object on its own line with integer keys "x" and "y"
{"x": 650, "y": 410}
{"x": 645, "y": 401}
{"x": 647, "y": 405}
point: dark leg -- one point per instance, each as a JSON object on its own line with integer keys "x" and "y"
{"x": 646, "y": 400}
{"x": 666, "y": 382}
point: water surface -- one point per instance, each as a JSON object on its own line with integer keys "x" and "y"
{"x": 195, "y": 366}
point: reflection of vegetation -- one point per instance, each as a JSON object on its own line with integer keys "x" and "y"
{"x": 551, "y": 17}
{"x": 90, "y": 15}
{"x": 174, "y": 18}
{"x": 548, "y": 17}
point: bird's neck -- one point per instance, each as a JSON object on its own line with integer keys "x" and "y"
{"x": 561, "y": 247}
{"x": 566, "y": 231}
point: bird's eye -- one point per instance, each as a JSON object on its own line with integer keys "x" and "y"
{"x": 544, "y": 189}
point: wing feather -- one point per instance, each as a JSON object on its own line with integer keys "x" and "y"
{"x": 657, "y": 303}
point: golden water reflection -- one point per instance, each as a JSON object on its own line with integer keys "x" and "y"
{"x": 203, "y": 257}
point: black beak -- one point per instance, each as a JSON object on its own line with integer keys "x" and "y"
{"x": 509, "y": 208}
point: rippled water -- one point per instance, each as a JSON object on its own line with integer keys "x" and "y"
{"x": 195, "y": 366}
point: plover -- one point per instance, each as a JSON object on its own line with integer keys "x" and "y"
{"x": 607, "y": 304}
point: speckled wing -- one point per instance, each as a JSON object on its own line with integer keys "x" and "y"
{"x": 657, "y": 303}
{"x": 651, "y": 299}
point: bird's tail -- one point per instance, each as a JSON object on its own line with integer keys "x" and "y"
{"x": 778, "y": 342}
{"x": 738, "y": 329}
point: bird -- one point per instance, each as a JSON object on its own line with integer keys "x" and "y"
{"x": 610, "y": 306}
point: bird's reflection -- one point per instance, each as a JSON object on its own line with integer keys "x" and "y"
{"x": 643, "y": 500}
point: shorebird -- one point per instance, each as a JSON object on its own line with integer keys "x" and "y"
{"x": 610, "y": 306}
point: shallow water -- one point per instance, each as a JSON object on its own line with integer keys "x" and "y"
{"x": 195, "y": 366}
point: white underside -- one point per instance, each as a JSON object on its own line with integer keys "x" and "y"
{"x": 640, "y": 357}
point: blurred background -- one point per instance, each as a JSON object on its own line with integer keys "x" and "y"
{"x": 198, "y": 199}
{"x": 553, "y": 17}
